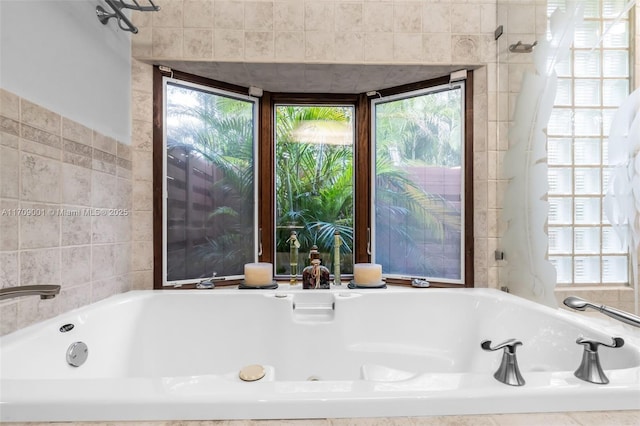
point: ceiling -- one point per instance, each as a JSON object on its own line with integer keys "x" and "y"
{"x": 312, "y": 78}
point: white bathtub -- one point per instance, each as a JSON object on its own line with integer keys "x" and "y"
{"x": 175, "y": 354}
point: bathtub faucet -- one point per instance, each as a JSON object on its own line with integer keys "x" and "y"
{"x": 44, "y": 291}
{"x": 590, "y": 369}
{"x": 508, "y": 372}
{"x": 579, "y": 304}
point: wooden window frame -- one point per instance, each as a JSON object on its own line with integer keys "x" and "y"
{"x": 266, "y": 165}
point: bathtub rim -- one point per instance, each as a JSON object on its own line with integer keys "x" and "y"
{"x": 587, "y": 319}
{"x": 159, "y": 406}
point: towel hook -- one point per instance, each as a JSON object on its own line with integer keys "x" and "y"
{"x": 123, "y": 22}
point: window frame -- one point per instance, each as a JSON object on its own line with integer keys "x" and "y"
{"x": 266, "y": 158}
{"x": 265, "y": 164}
{"x": 170, "y": 80}
{"x": 468, "y": 114}
{"x": 320, "y": 100}
{"x": 381, "y": 100}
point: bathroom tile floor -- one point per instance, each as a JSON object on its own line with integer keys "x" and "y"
{"x": 594, "y": 418}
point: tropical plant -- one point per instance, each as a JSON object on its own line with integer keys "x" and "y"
{"x": 418, "y": 132}
{"x": 216, "y": 132}
{"x": 314, "y": 177}
{"x": 314, "y": 180}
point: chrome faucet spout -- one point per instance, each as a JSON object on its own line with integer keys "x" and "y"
{"x": 579, "y": 304}
{"x": 45, "y": 291}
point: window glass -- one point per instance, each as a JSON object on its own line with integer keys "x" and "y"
{"x": 209, "y": 209}
{"x": 419, "y": 184}
{"x": 314, "y": 184}
{"x": 595, "y": 81}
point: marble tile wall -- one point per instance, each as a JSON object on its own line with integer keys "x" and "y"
{"x": 142, "y": 187}
{"x": 65, "y": 211}
{"x": 295, "y": 31}
{"x": 410, "y": 31}
{"x": 432, "y": 32}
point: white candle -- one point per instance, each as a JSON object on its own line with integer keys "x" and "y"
{"x": 256, "y": 274}
{"x": 367, "y": 274}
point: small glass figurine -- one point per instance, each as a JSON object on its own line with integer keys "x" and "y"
{"x": 315, "y": 275}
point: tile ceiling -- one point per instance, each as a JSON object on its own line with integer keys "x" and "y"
{"x": 312, "y": 78}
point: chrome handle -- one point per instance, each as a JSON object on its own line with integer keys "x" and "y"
{"x": 509, "y": 345}
{"x": 592, "y": 345}
{"x": 420, "y": 283}
{"x": 259, "y": 241}
{"x": 369, "y": 241}
{"x": 508, "y": 372}
{"x": 590, "y": 369}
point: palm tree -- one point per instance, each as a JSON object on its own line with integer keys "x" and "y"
{"x": 216, "y": 133}
{"x": 314, "y": 180}
{"x": 420, "y": 132}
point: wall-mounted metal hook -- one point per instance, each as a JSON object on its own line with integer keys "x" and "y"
{"x": 123, "y": 22}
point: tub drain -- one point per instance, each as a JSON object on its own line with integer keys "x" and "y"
{"x": 77, "y": 354}
{"x": 251, "y": 373}
{"x": 313, "y": 379}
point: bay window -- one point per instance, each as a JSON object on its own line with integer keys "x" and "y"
{"x": 235, "y": 176}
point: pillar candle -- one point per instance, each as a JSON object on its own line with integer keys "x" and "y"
{"x": 367, "y": 274}
{"x": 257, "y": 274}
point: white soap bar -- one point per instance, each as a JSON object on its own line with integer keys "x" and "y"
{"x": 257, "y": 274}
{"x": 367, "y": 273}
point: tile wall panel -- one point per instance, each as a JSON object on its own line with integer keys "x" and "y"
{"x": 438, "y": 32}
{"x": 65, "y": 211}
